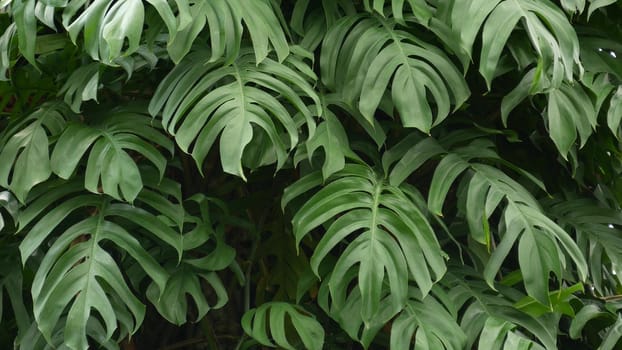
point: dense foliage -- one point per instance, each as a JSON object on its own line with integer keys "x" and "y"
{"x": 233, "y": 174}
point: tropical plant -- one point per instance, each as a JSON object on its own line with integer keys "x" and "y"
{"x": 236, "y": 174}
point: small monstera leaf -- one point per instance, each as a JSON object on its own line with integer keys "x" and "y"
{"x": 78, "y": 274}
{"x": 202, "y": 101}
{"x": 25, "y": 148}
{"x": 108, "y": 142}
{"x": 277, "y": 315}
{"x": 386, "y": 238}
{"x": 192, "y": 276}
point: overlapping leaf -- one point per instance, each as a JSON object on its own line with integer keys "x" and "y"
{"x": 224, "y": 19}
{"x": 386, "y": 238}
{"x": 9, "y": 205}
{"x": 598, "y": 236}
{"x": 25, "y": 154}
{"x": 108, "y": 141}
{"x": 367, "y": 57}
{"x": 569, "y": 111}
{"x": 78, "y": 275}
{"x": 81, "y": 86}
{"x": 593, "y": 313}
{"x": 202, "y": 101}
{"x": 552, "y": 37}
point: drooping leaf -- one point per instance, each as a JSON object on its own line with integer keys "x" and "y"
{"x": 490, "y": 320}
{"x": 224, "y": 20}
{"x": 276, "y": 315}
{"x": 569, "y": 112}
{"x": 596, "y": 4}
{"x": 78, "y": 275}
{"x": 598, "y": 236}
{"x": 551, "y": 35}
{"x": 541, "y": 242}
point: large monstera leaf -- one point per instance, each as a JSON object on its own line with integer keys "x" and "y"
{"x": 110, "y": 168}
{"x": 386, "y": 239}
{"x": 367, "y": 57}
{"x": 202, "y": 100}
{"x": 551, "y": 35}
{"x": 25, "y": 148}
{"x": 542, "y": 244}
{"x": 79, "y": 275}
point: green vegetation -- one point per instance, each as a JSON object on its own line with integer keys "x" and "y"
{"x": 320, "y": 174}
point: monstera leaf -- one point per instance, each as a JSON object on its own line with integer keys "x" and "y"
{"x": 490, "y": 320}
{"x": 191, "y": 276}
{"x": 364, "y": 56}
{"x": 570, "y": 111}
{"x": 431, "y": 321}
{"x": 201, "y": 101}
{"x": 109, "y": 163}
{"x": 277, "y": 315}
{"x": 25, "y": 154}
{"x": 598, "y": 235}
{"x": 542, "y": 244}
{"x": 385, "y": 235}
{"x": 420, "y": 8}
{"x": 78, "y": 274}
{"x": 551, "y": 35}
